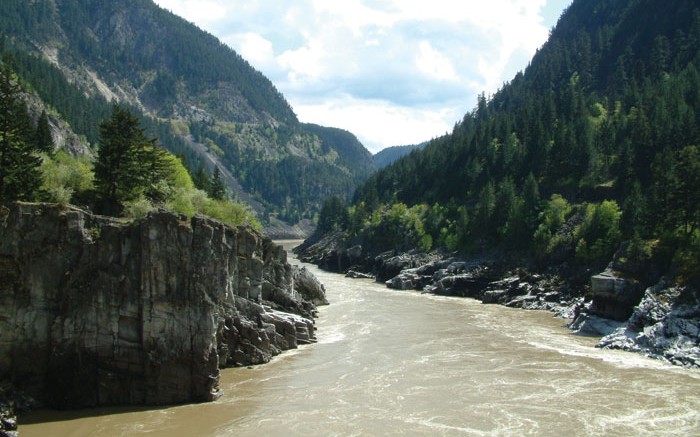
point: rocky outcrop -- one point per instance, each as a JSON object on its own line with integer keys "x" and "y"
{"x": 665, "y": 324}
{"x": 309, "y": 286}
{"x": 331, "y": 252}
{"x": 62, "y": 135}
{"x": 11, "y": 402}
{"x": 8, "y": 421}
{"x": 614, "y": 296}
{"x": 483, "y": 280}
{"x": 97, "y": 311}
{"x": 416, "y": 264}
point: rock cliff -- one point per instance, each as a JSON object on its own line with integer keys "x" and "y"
{"x": 97, "y": 311}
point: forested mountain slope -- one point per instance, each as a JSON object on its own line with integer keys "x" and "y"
{"x": 595, "y": 143}
{"x": 201, "y": 98}
{"x": 391, "y": 154}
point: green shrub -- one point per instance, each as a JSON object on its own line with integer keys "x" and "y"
{"x": 552, "y": 217}
{"x": 599, "y": 235}
{"x": 65, "y": 176}
{"x": 138, "y": 209}
{"x": 231, "y": 213}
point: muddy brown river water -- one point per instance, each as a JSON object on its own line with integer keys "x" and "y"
{"x": 404, "y": 363}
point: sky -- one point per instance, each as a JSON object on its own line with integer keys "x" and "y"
{"x": 392, "y": 72}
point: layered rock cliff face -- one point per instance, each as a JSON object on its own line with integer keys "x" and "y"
{"x": 95, "y": 311}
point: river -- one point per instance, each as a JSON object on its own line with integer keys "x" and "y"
{"x": 403, "y": 363}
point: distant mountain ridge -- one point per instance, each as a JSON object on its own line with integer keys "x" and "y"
{"x": 204, "y": 100}
{"x": 391, "y": 154}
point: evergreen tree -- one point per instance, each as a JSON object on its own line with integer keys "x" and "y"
{"x": 217, "y": 190}
{"x": 685, "y": 200}
{"x": 633, "y": 211}
{"x": 127, "y": 161}
{"x": 43, "y": 141}
{"x": 158, "y": 167}
{"x": 334, "y": 215}
{"x": 201, "y": 179}
{"x": 20, "y": 178}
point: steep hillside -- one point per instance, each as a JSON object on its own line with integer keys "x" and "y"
{"x": 204, "y": 101}
{"x": 586, "y": 162}
{"x": 593, "y": 144}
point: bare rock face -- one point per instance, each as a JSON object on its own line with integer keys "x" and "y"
{"x": 614, "y": 297}
{"x": 309, "y": 286}
{"x": 95, "y": 311}
{"x": 665, "y": 325}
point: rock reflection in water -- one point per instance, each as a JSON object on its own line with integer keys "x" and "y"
{"x": 401, "y": 363}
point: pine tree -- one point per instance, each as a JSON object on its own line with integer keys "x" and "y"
{"x": 43, "y": 141}
{"x": 157, "y": 168}
{"x": 128, "y": 163}
{"x": 217, "y": 190}
{"x": 685, "y": 200}
{"x": 20, "y": 178}
{"x": 201, "y": 179}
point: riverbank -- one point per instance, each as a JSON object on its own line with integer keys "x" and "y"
{"x": 653, "y": 317}
{"x": 99, "y": 311}
{"x": 391, "y": 362}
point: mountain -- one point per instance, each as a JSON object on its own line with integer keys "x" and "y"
{"x": 387, "y": 156}
{"x": 593, "y": 144}
{"x": 587, "y": 162}
{"x": 199, "y": 96}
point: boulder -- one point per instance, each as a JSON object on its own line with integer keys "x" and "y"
{"x": 309, "y": 287}
{"x": 614, "y": 297}
{"x": 494, "y": 296}
{"x": 408, "y": 280}
{"x": 464, "y": 285}
{"x": 586, "y": 324}
{"x": 389, "y": 266}
{"x": 352, "y": 274}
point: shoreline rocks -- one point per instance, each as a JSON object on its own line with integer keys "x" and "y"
{"x": 661, "y": 322}
{"x": 98, "y": 311}
{"x": 8, "y": 421}
{"x": 665, "y": 325}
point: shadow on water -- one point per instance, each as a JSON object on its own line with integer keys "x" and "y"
{"x": 46, "y": 415}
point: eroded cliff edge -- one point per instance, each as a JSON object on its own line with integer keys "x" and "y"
{"x": 96, "y": 311}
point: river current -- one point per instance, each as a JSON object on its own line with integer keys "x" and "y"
{"x": 404, "y": 363}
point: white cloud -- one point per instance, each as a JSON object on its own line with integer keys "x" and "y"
{"x": 378, "y": 123}
{"x": 253, "y": 47}
{"x": 390, "y": 71}
{"x": 200, "y": 12}
{"x": 434, "y": 63}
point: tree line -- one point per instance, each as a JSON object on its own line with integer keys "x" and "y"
{"x": 570, "y": 158}
{"x": 131, "y": 173}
